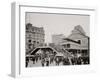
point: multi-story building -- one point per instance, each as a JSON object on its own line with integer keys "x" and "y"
{"x": 34, "y": 37}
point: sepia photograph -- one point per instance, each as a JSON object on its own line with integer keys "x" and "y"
{"x": 56, "y": 39}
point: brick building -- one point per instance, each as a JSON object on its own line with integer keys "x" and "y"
{"x": 34, "y": 37}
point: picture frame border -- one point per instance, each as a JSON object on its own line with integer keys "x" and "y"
{"x": 15, "y": 34}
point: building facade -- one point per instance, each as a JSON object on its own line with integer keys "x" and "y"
{"x": 34, "y": 37}
{"x": 77, "y": 42}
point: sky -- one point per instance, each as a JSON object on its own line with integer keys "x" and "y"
{"x": 57, "y": 23}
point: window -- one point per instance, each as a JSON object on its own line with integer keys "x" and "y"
{"x": 29, "y": 40}
{"x": 68, "y": 45}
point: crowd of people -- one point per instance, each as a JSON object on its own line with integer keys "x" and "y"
{"x": 48, "y": 58}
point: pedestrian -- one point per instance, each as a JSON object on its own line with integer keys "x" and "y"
{"x": 42, "y": 62}
{"x": 51, "y": 59}
{"x": 47, "y": 61}
{"x": 26, "y": 63}
{"x": 79, "y": 61}
{"x": 36, "y": 57}
{"x": 66, "y": 61}
{"x": 27, "y": 60}
{"x": 33, "y": 60}
{"x": 57, "y": 60}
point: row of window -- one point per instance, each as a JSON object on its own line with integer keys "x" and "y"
{"x": 35, "y": 30}
{"x": 35, "y": 36}
{"x": 37, "y": 41}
